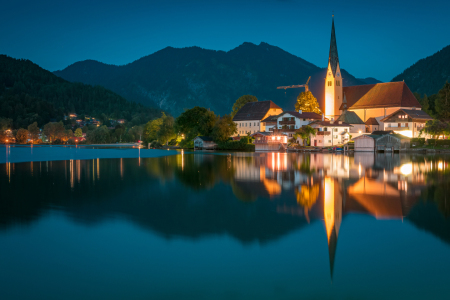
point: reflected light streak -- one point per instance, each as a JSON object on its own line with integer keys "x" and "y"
{"x": 329, "y": 206}
{"x": 406, "y": 169}
{"x": 98, "y": 168}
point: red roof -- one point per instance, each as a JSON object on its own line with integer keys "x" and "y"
{"x": 372, "y": 121}
{"x": 388, "y": 94}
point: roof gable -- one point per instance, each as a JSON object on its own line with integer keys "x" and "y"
{"x": 415, "y": 114}
{"x": 388, "y": 94}
{"x": 303, "y": 115}
{"x": 350, "y": 117}
{"x": 372, "y": 121}
{"x": 254, "y": 110}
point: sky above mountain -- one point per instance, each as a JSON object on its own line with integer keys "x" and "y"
{"x": 375, "y": 39}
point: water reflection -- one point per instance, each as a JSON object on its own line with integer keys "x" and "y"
{"x": 252, "y": 197}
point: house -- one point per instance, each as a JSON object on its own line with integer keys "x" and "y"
{"x": 330, "y": 133}
{"x": 249, "y": 117}
{"x": 289, "y": 121}
{"x": 73, "y": 116}
{"x": 269, "y": 141}
{"x": 121, "y": 121}
{"x": 350, "y": 117}
{"x": 383, "y": 142}
{"x": 407, "y": 122}
{"x": 372, "y": 125}
{"x": 204, "y": 143}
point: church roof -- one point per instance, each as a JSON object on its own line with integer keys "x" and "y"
{"x": 254, "y": 110}
{"x": 388, "y": 94}
{"x": 333, "y": 58}
{"x": 372, "y": 121}
{"x": 350, "y": 117}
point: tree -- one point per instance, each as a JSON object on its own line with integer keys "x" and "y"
{"x": 78, "y": 133}
{"x": 166, "y": 130}
{"x": 442, "y": 104}
{"x": 305, "y": 133}
{"x": 100, "y": 135}
{"x": 34, "y": 131}
{"x": 206, "y": 123}
{"x": 22, "y": 136}
{"x": 5, "y": 124}
{"x": 223, "y": 129}
{"x": 436, "y": 128}
{"x": 241, "y": 101}
{"x": 151, "y": 130}
{"x": 308, "y": 103}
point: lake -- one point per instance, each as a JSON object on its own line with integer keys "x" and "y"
{"x": 93, "y": 223}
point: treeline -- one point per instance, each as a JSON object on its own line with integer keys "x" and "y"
{"x": 31, "y": 94}
{"x": 436, "y": 105}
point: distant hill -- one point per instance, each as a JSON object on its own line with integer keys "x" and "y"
{"x": 428, "y": 75}
{"x": 370, "y": 80}
{"x": 174, "y": 79}
{"x": 30, "y": 94}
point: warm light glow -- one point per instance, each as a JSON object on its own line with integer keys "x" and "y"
{"x": 273, "y": 138}
{"x": 406, "y": 169}
{"x": 440, "y": 165}
{"x": 360, "y": 131}
{"x": 407, "y": 133}
{"x": 278, "y": 138}
{"x": 329, "y": 205}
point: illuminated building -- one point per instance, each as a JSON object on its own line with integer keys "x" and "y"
{"x": 249, "y": 117}
{"x": 406, "y": 122}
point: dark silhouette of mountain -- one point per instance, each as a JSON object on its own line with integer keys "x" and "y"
{"x": 370, "y": 80}
{"x": 174, "y": 79}
{"x": 30, "y": 94}
{"x": 428, "y": 75}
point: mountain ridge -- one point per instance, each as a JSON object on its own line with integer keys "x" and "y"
{"x": 174, "y": 79}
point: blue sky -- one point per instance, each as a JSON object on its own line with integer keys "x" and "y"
{"x": 375, "y": 39}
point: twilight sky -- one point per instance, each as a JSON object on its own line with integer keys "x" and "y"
{"x": 375, "y": 39}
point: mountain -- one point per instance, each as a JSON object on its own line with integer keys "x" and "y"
{"x": 30, "y": 94}
{"x": 174, "y": 79}
{"x": 370, "y": 80}
{"x": 428, "y": 75}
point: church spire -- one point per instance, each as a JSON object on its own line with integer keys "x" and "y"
{"x": 333, "y": 58}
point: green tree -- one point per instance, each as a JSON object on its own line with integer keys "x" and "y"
{"x": 100, "y": 135}
{"x": 5, "y": 124}
{"x": 241, "y": 101}
{"x": 78, "y": 133}
{"x": 442, "y": 104}
{"x": 308, "y": 103}
{"x": 223, "y": 129}
{"x": 34, "y": 131}
{"x": 305, "y": 133}
{"x": 22, "y": 136}
{"x": 166, "y": 130}
{"x": 151, "y": 130}
{"x": 436, "y": 128}
{"x": 49, "y": 131}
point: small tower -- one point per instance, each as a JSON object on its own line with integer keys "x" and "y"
{"x": 333, "y": 80}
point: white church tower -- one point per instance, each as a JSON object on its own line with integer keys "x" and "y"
{"x": 333, "y": 81}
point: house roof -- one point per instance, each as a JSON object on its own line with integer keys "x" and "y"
{"x": 415, "y": 114}
{"x": 254, "y": 110}
{"x": 388, "y": 94}
{"x": 372, "y": 121}
{"x": 381, "y": 132}
{"x": 303, "y": 115}
{"x": 265, "y": 133}
{"x": 205, "y": 138}
{"x": 272, "y": 118}
{"x": 350, "y": 117}
{"x": 328, "y": 124}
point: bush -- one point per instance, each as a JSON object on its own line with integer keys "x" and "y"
{"x": 156, "y": 145}
{"x": 173, "y": 142}
{"x": 236, "y": 145}
{"x": 443, "y": 142}
{"x": 431, "y": 141}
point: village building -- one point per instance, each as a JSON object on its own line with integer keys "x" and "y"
{"x": 408, "y": 122}
{"x": 248, "y": 118}
{"x": 372, "y": 125}
{"x": 204, "y": 143}
{"x": 382, "y": 142}
{"x": 289, "y": 121}
{"x": 367, "y": 101}
{"x": 350, "y": 117}
{"x": 330, "y": 133}
{"x": 270, "y": 141}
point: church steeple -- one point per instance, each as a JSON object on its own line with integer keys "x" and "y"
{"x": 333, "y": 58}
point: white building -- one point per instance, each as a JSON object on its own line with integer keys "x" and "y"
{"x": 248, "y": 118}
{"x": 407, "y": 122}
{"x": 289, "y": 121}
{"x": 330, "y": 133}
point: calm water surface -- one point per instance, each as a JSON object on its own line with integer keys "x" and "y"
{"x": 224, "y": 226}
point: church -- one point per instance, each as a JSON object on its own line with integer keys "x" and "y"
{"x": 362, "y": 104}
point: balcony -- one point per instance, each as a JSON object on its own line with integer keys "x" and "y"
{"x": 287, "y": 122}
{"x": 323, "y": 132}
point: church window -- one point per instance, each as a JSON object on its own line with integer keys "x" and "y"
{"x": 330, "y": 83}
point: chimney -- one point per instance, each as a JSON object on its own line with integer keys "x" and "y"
{"x": 299, "y": 111}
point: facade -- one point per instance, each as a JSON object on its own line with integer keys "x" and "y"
{"x": 330, "y": 133}
{"x": 269, "y": 141}
{"x": 249, "y": 117}
{"x": 350, "y": 117}
{"x": 204, "y": 142}
{"x": 365, "y": 143}
{"x": 406, "y": 122}
{"x": 372, "y": 125}
{"x": 288, "y": 122}
{"x": 389, "y": 142}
